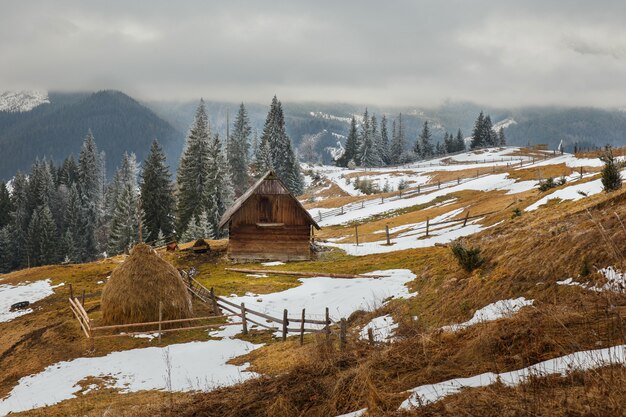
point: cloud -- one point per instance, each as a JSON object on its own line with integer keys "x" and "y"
{"x": 400, "y": 53}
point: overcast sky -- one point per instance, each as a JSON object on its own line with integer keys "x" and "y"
{"x": 380, "y": 53}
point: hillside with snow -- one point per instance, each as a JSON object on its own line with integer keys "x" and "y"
{"x": 22, "y": 101}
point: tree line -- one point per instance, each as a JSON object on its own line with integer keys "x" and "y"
{"x": 71, "y": 213}
{"x": 369, "y": 144}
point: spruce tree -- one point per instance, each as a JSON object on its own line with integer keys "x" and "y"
{"x": 367, "y": 155}
{"x": 199, "y": 228}
{"x": 124, "y": 231}
{"x": 6, "y": 205}
{"x": 611, "y": 176}
{"x": 21, "y": 219}
{"x": 90, "y": 187}
{"x": 219, "y": 189}
{"x": 351, "y": 147}
{"x": 459, "y": 141}
{"x": 277, "y": 143}
{"x": 490, "y": 137}
{"x": 238, "y": 147}
{"x": 7, "y": 258}
{"x": 73, "y": 239}
{"x": 502, "y": 138}
{"x": 384, "y": 141}
{"x": 68, "y": 173}
{"x": 425, "y": 144}
{"x": 42, "y": 237}
{"x": 193, "y": 172}
{"x": 157, "y": 197}
{"x": 478, "y": 139}
{"x": 398, "y": 141}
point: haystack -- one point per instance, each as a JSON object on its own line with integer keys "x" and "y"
{"x": 133, "y": 291}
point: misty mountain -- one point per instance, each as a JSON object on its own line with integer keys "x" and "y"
{"x": 56, "y": 129}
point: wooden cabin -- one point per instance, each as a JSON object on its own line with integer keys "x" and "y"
{"x": 268, "y": 223}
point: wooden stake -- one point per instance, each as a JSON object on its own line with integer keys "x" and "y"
{"x": 418, "y": 188}
{"x": 439, "y": 184}
{"x": 427, "y": 225}
{"x": 71, "y": 292}
{"x": 466, "y": 217}
{"x": 82, "y": 299}
{"x": 244, "y": 322}
{"x": 216, "y": 309}
{"x": 458, "y": 180}
{"x": 160, "y": 318}
{"x": 327, "y": 327}
{"x": 387, "y": 233}
{"x": 343, "y": 327}
{"x": 285, "y": 324}
{"x": 302, "y": 328}
{"x": 370, "y": 335}
{"x": 356, "y": 233}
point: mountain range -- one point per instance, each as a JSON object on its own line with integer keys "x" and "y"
{"x": 53, "y": 125}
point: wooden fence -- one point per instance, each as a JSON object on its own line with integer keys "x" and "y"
{"x": 413, "y": 192}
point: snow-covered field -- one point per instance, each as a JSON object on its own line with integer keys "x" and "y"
{"x": 203, "y": 365}
{"x": 383, "y": 329}
{"x": 11, "y": 294}
{"x": 22, "y": 101}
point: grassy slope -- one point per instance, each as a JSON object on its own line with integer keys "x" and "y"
{"x": 525, "y": 256}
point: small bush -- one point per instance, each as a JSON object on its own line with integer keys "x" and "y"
{"x": 611, "y": 177}
{"x": 468, "y": 258}
{"x": 516, "y": 213}
{"x": 546, "y": 184}
{"x": 402, "y": 185}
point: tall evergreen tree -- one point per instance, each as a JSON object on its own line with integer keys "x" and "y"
{"x": 384, "y": 141}
{"x": 73, "y": 239}
{"x": 193, "y": 172}
{"x": 157, "y": 197}
{"x": 6, "y": 205}
{"x": 367, "y": 155}
{"x": 238, "y": 147}
{"x": 502, "y": 138}
{"x": 351, "y": 147}
{"x": 90, "y": 187}
{"x": 490, "y": 137}
{"x": 282, "y": 158}
{"x": 21, "y": 219}
{"x": 199, "y": 228}
{"x": 219, "y": 188}
{"x": 398, "y": 141}
{"x": 425, "y": 144}
{"x": 42, "y": 237}
{"x": 125, "y": 220}
{"x": 478, "y": 136}
{"x": 460, "y": 142}
{"x": 68, "y": 173}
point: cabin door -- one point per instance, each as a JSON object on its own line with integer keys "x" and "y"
{"x": 265, "y": 210}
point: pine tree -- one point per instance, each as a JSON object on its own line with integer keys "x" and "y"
{"x": 21, "y": 219}
{"x": 219, "y": 189}
{"x": 384, "y": 141}
{"x": 367, "y": 155}
{"x": 6, "y": 205}
{"x": 459, "y": 142}
{"x": 193, "y": 172}
{"x": 68, "y": 173}
{"x": 502, "y": 138}
{"x": 41, "y": 184}
{"x": 237, "y": 150}
{"x": 611, "y": 176}
{"x": 42, "y": 237}
{"x": 277, "y": 143}
{"x": 90, "y": 187}
{"x": 425, "y": 144}
{"x": 124, "y": 231}
{"x": 7, "y": 259}
{"x": 73, "y": 239}
{"x": 351, "y": 147}
{"x": 157, "y": 198}
{"x": 199, "y": 228}
{"x": 398, "y": 141}
{"x": 478, "y": 139}
{"x": 490, "y": 137}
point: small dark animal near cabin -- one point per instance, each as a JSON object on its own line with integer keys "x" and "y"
{"x": 268, "y": 223}
{"x": 20, "y": 306}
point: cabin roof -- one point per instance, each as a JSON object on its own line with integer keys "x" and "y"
{"x": 269, "y": 175}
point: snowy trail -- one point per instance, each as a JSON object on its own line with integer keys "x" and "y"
{"x": 202, "y": 365}
{"x": 589, "y": 359}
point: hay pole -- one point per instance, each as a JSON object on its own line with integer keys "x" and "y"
{"x": 78, "y": 317}
{"x": 370, "y": 335}
{"x": 285, "y": 323}
{"x": 327, "y": 326}
{"x": 301, "y": 273}
{"x": 343, "y": 328}
{"x": 82, "y": 311}
{"x": 160, "y": 318}
{"x": 387, "y": 234}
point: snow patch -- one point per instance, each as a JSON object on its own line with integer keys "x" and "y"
{"x": 32, "y": 292}
{"x": 22, "y": 101}
{"x": 383, "y": 329}
{"x": 615, "y": 281}
{"x": 494, "y": 311}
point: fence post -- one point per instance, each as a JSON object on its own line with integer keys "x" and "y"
{"x": 356, "y": 233}
{"x": 341, "y": 209}
{"x": 160, "y": 318}
{"x": 216, "y": 309}
{"x": 427, "y": 225}
{"x": 581, "y": 172}
{"x": 439, "y": 184}
{"x": 370, "y": 335}
{"x": 477, "y": 173}
{"x": 244, "y": 322}
{"x": 387, "y": 233}
{"x": 71, "y": 292}
{"x": 327, "y": 327}
{"x": 285, "y": 324}
{"x": 320, "y": 214}
{"x": 362, "y": 203}
{"x": 82, "y": 299}
{"x": 458, "y": 180}
{"x": 418, "y": 188}
{"x": 342, "y": 334}
{"x": 466, "y": 216}
{"x": 382, "y": 200}
{"x": 302, "y": 328}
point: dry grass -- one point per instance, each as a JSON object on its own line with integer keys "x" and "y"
{"x": 596, "y": 154}
{"x": 541, "y": 172}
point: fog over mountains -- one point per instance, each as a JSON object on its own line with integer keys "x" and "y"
{"x": 53, "y": 125}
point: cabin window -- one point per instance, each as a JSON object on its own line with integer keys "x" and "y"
{"x": 265, "y": 210}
